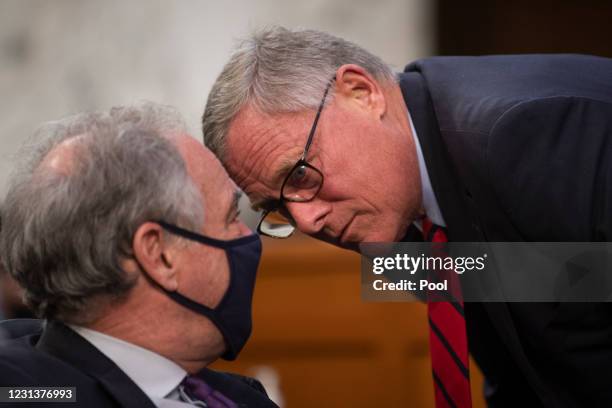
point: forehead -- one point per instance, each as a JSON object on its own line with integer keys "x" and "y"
{"x": 260, "y": 146}
{"x": 206, "y": 171}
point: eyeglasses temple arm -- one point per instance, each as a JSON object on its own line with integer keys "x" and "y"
{"x": 316, "y": 121}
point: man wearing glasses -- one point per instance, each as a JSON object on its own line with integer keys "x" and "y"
{"x": 325, "y": 138}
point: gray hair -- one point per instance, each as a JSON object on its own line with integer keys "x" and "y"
{"x": 277, "y": 71}
{"x": 65, "y": 233}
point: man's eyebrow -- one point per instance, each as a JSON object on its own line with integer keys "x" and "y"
{"x": 278, "y": 176}
{"x": 233, "y": 208}
{"x": 280, "y": 173}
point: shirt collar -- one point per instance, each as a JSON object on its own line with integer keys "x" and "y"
{"x": 154, "y": 374}
{"x": 430, "y": 203}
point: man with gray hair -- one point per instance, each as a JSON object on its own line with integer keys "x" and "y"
{"x": 124, "y": 233}
{"x": 323, "y": 136}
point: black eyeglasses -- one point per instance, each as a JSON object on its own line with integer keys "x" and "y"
{"x": 302, "y": 184}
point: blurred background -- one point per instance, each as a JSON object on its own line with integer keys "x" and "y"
{"x": 315, "y": 343}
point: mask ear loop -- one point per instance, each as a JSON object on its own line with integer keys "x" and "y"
{"x": 179, "y": 298}
{"x": 203, "y": 311}
{"x": 203, "y": 239}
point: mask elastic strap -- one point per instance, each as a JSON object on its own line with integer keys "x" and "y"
{"x": 218, "y": 243}
{"x": 203, "y": 311}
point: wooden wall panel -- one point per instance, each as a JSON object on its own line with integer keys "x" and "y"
{"x": 473, "y": 27}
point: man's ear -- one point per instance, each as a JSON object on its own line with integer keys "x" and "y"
{"x": 156, "y": 258}
{"x": 359, "y": 87}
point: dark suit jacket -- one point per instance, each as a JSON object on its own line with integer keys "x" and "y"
{"x": 57, "y": 356}
{"x": 519, "y": 148}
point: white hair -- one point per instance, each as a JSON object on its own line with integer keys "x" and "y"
{"x": 279, "y": 70}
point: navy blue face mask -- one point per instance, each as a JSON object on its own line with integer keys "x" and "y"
{"x": 232, "y": 316}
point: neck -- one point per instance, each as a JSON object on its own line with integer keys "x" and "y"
{"x": 398, "y": 112}
{"x": 149, "y": 319}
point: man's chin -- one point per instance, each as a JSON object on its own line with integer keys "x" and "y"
{"x": 364, "y": 249}
{"x": 357, "y": 245}
{"x": 351, "y": 246}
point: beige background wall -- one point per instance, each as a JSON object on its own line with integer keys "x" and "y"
{"x": 63, "y": 56}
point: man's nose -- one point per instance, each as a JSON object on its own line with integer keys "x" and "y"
{"x": 309, "y": 217}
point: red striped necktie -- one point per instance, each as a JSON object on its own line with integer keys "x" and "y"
{"x": 447, "y": 334}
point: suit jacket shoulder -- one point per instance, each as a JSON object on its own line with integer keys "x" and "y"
{"x": 471, "y": 93}
{"x": 528, "y": 126}
{"x": 55, "y": 356}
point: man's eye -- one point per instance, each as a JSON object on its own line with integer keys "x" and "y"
{"x": 300, "y": 177}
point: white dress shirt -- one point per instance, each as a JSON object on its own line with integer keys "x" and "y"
{"x": 430, "y": 203}
{"x": 154, "y": 374}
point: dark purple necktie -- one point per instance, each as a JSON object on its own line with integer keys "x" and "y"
{"x": 197, "y": 388}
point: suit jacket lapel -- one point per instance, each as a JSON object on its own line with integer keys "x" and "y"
{"x": 62, "y": 342}
{"x": 447, "y": 188}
